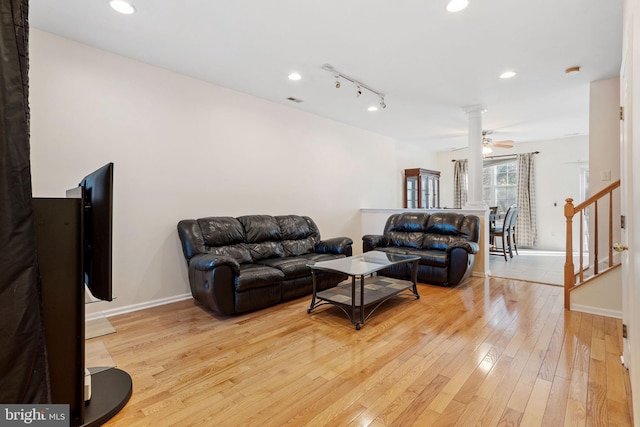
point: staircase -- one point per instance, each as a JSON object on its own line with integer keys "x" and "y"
{"x": 589, "y": 273}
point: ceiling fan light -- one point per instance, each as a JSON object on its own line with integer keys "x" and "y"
{"x": 486, "y": 149}
{"x": 457, "y": 5}
{"x": 294, "y": 76}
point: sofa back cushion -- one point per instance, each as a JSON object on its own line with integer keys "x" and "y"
{"x": 299, "y": 234}
{"x": 406, "y": 229}
{"x": 224, "y": 235}
{"x": 221, "y": 231}
{"x": 260, "y": 228}
{"x": 263, "y": 236}
{"x": 239, "y": 252}
{"x": 444, "y": 228}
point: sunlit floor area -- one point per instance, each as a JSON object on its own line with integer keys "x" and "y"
{"x": 530, "y": 265}
{"x": 490, "y": 352}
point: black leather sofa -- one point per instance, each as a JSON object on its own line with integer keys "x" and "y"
{"x": 445, "y": 241}
{"x": 241, "y": 264}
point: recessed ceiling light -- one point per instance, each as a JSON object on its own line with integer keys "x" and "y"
{"x": 572, "y": 71}
{"x": 372, "y": 108}
{"x": 507, "y": 74}
{"x": 122, "y": 6}
{"x": 457, "y": 5}
{"x": 294, "y": 76}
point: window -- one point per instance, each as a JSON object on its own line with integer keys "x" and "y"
{"x": 500, "y": 184}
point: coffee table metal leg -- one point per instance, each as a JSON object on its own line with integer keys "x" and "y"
{"x": 414, "y": 278}
{"x": 362, "y": 300}
{"x": 313, "y": 295}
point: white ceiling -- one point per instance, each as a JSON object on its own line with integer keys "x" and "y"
{"x": 428, "y": 62}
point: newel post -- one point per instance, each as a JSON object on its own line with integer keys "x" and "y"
{"x": 569, "y": 270}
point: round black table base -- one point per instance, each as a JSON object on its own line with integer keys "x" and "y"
{"x": 110, "y": 391}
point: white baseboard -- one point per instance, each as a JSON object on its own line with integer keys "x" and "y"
{"x": 136, "y": 307}
{"x": 480, "y": 274}
{"x": 596, "y": 310}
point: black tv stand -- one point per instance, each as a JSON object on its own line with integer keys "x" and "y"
{"x": 59, "y": 240}
{"x": 111, "y": 390}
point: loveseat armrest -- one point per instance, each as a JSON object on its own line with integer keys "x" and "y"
{"x": 337, "y": 245}
{"x": 470, "y": 247}
{"x": 205, "y": 262}
{"x": 372, "y": 241}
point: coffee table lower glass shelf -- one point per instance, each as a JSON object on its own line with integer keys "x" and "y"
{"x": 365, "y": 292}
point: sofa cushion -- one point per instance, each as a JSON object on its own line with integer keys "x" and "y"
{"x": 293, "y": 227}
{"x": 445, "y": 223}
{"x": 260, "y": 228}
{"x": 410, "y": 222}
{"x": 291, "y": 267}
{"x": 409, "y": 240}
{"x": 254, "y": 276}
{"x": 265, "y": 250}
{"x": 238, "y": 252}
{"x": 298, "y": 247}
{"x": 442, "y": 230}
{"x": 221, "y": 231}
{"x": 433, "y": 258}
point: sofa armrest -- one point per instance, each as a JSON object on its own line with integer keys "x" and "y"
{"x": 372, "y": 241}
{"x": 205, "y": 262}
{"x": 337, "y": 245}
{"x": 470, "y": 247}
{"x": 212, "y": 279}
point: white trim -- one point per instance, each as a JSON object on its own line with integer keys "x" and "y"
{"x": 480, "y": 274}
{"x": 616, "y": 314}
{"x": 479, "y": 212}
{"x": 135, "y": 307}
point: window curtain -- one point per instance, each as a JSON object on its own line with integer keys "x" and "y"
{"x": 23, "y": 374}
{"x": 460, "y": 186}
{"x": 526, "y": 224}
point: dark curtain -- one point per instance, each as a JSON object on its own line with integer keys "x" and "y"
{"x": 23, "y": 369}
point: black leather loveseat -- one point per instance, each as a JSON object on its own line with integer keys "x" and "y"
{"x": 445, "y": 241}
{"x": 241, "y": 264}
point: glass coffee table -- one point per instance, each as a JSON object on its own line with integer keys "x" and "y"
{"x": 351, "y": 297}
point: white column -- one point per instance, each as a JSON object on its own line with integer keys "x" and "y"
{"x": 474, "y": 192}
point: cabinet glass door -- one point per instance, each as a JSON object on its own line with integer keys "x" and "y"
{"x": 412, "y": 192}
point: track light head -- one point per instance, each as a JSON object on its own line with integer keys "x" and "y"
{"x": 360, "y": 87}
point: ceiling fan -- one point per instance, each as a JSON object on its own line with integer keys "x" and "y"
{"x": 488, "y": 142}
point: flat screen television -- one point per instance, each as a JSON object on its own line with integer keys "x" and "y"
{"x": 96, "y": 191}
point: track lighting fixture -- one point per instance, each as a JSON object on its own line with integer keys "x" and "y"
{"x": 359, "y": 85}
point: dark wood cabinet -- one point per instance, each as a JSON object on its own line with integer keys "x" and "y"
{"x": 421, "y": 188}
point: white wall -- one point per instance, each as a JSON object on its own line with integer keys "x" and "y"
{"x": 604, "y": 156}
{"x": 557, "y": 176}
{"x": 184, "y": 148}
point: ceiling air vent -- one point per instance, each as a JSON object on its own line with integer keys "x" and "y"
{"x": 292, "y": 99}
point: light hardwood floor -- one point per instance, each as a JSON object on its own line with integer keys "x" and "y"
{"x": 489, "y": 352}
